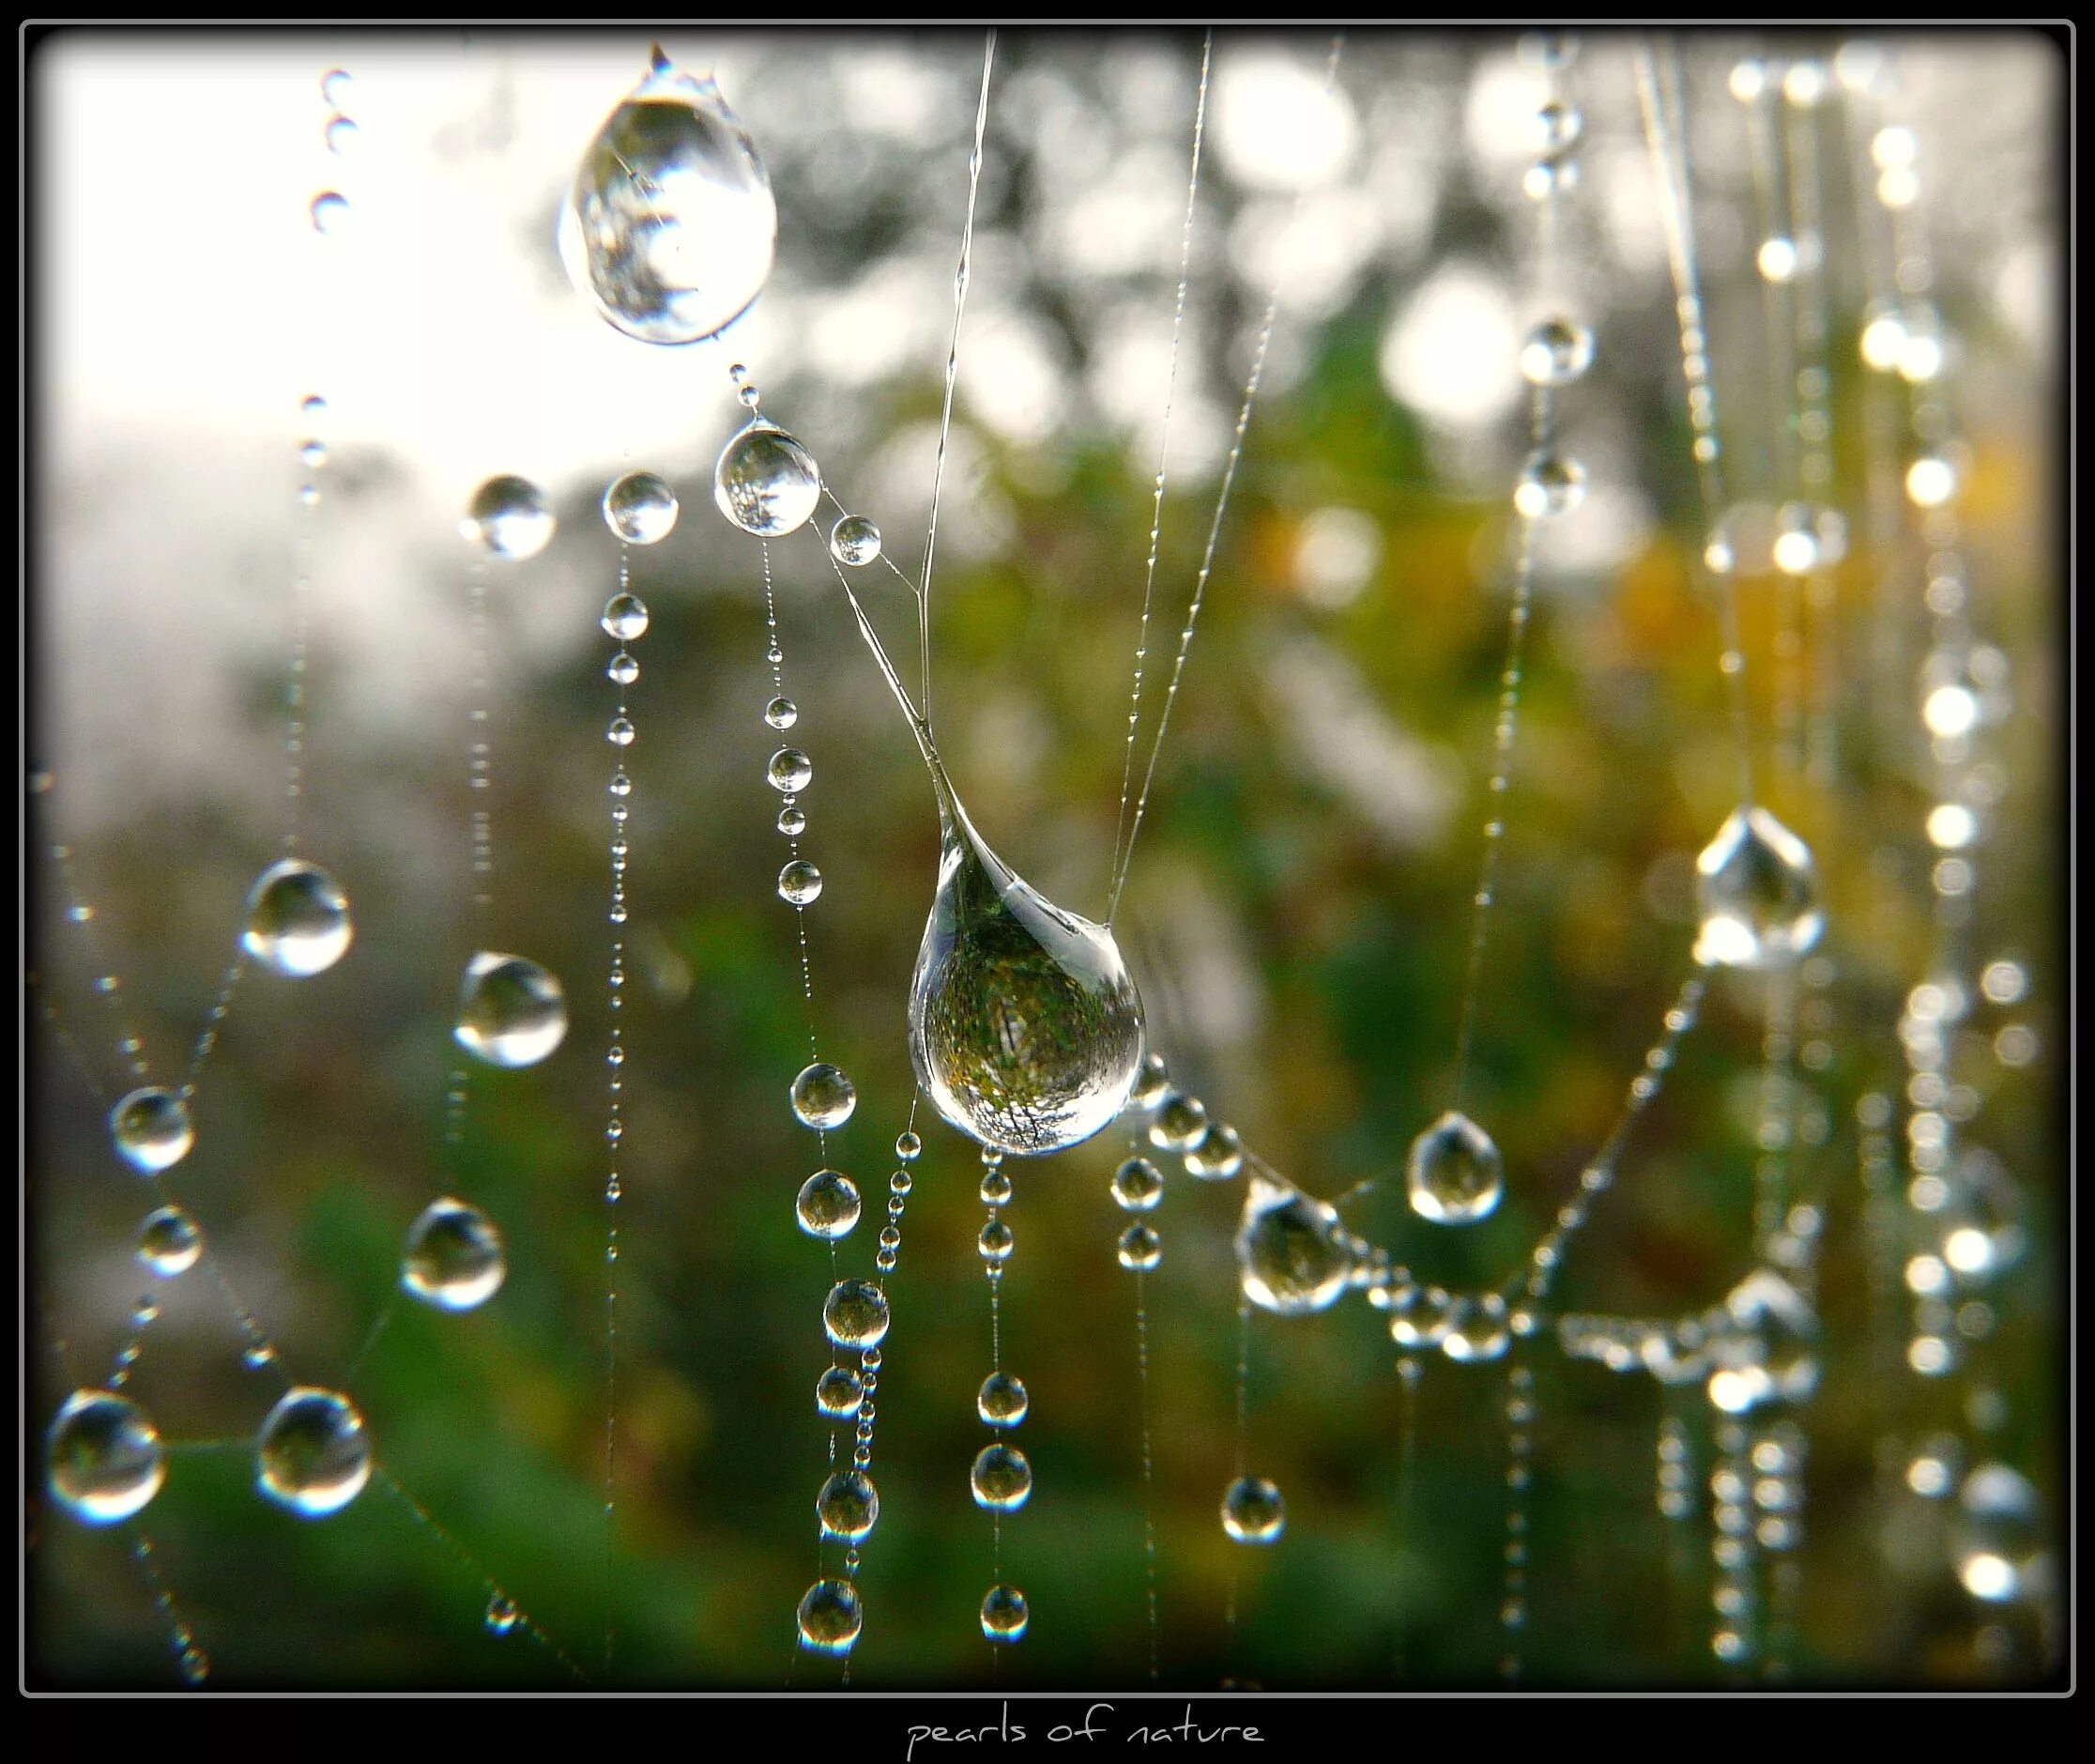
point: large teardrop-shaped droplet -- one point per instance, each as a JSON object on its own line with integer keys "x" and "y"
{"x": 670, "y": 224}
{"x": 298, "y": 919}
{"x": 1293, "y": 1254}
{"x": 1455, "y": 1175}
{"x": 1758, "y": 894}
{"x": 1024, "y": 1026}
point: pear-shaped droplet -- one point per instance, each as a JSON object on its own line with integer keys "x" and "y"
{"x": 1003, "y": 1614}
{"x": 169, "y": 1242}
{"x": 822, "y": 1096}
{"x": 313, "y": 1454}
{"x": 640, "y": 508}
{"x": 839, "y": 1393}
{"x": 766, "y": 481}
{"x": 298, "y": 919}
{"x": 1001, "y": 1402}
{"x": 848, "y": 1505}
{"x": 508, "y": 518}
{"x": 828, "y": 1205}
{"x": 454, "y": 1258}
{"x": 511, "y": 1011}
{"x": 800, "y": 883}
{"x": 1002, "y": 1480}
{"x": 855, "y": 540}
{"x": 1253, "y": 1511}
{"x": 1138, "y": 1186}
{"x": 1293, "y": 1254}
{"x": 152, "y": 1128}
{"x": 855, "y": 1315}
{"x": 102, "y": 1458}
{"x": 669, "y": 226}
{"x": 830, "y": 1617}
{"x": 1758, "y": 894}
{"x": 1455, "y": 1175}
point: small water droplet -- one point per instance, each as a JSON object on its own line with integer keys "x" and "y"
{"x": 623, "y": 669}
{"x": 1758, "y": 894}
{"x": 454, "y": 1258}
{"x": 640, "y": 508}
{"x": 766, "y": 482}
{"x": 822, "y": 1096}
{"x": 908, "y": 1148}
{"x": 625, "y": 617}
{"x": 855, "y": 540}
{"x": 848, "y": 1505}
{"x": 1005, "y": 1614}
{"x": 313, "y": 1454}
{"x": 838, "y": 1393}
{"x": 1556, "y": 352}
{"x": 828, "y": 1205}
{"x": 1453, "y": 1175}
{"x": 298, "y": 919}
{"x": 830, "y": 1617}
{"x": 1217, "y": 1156}
{"x": 329, "y": 212}
{"x": 621, "y": 732}
{"x": 1000, "y": 1479}
{"x": 152, "y": 1128}
{"x": 792, "y": 822}
{"x": 508, "y": 518}
{"x": 169, "y": 1242}
{"x": 502, "y": 1615}
{"x": 102, "y": 1458}
{"x": 855, "y": 1313}
{"x": 782, "y": 714}
{"x": 1181, "y": 1122}
{"x": 1292, "y": 1256}
{"x": 790, "y": 769}
{"x": 1550, "y": 485}
{"x": 1253, "y": 1511}
{"x": 341, "y": 135}
{"x": 512, "y": 1011}
{"x": 1138, "y": 1186}
{"x": 1141, "y": 1249}
{"x": 1001, "y": 1402}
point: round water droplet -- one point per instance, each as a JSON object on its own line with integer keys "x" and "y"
{"x": 512, "y": 1011}
{"x": 1557, "y": 127}
{"x": 195, "y": 1665}
{"x": 1883, "y": 338}
{"x": 1003, "y": 1614}
{"x": 1292, "y": 1255}
{"x": 102, "y": 1458}
{"x": 855, "y": 540}
{"x": 838, "y": 1393}
{"x": 169, "y": 1242}
{"x": 313, "y": 1454}
{"x": 822, "y": 1096}
{"x": 1217, "y": 1156}
{"x": 625, "y": 617}
{"x": 454, "y": 1258}
{"x": 1141, "y": 1249}
{"x": 848, "y": 1505}
{"x": 314, "y": 454}
{"x": 790, "y": 769}
{"x": 1138, "y": 1186}
{"x": 1550, "y": 176}
{"x": 152, "y": 1128}
{"x": 830, "y": 1617}
{"x": 640, "y": 508}
{"x": 1796, "y": 540}
{"x": 995, "y": 1242}
{"x": 329, "y": 212}
{"x": 669, "y": 226}
{"x": 908, "y": 1148}
{"x": 1181, "y": 1122}
{"x": 800, "y": 883}
{"x": 298, "y": 919}
{"x": 621, "y": 785}
{"x": 334, "y": 86}
{"x": 828, "y": 1205}
{"x": 855, "y": 1315}
{"x": 1757, "y": 891}
{"x": 766, "y": 481}
{"x": 996, "y": 1188}
{"x": 1478, "y": 1327}
{"x": 1001, "y": 1478}
{"x": 1556, "y": 352}
{"x": 621, "y": 732}
{"x": 623, "y": 669}
{"x": 1455, "y": 1175}
{"x": 1001, "y": 1402}
{"x": 1550, "y": 485}
{"x": 508, "y": 518}
{"x": 1999, "y": 1543}
{"x": 782, "y": 714}
{"x": 792, "y": 822}
{"x": 1152, "y": 1082}
{"x": 1253, "y": 1511}
{"x": 341, "y": 135}
{"x": 502, "y": 1615}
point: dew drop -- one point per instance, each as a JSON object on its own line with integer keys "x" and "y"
{"x": 766, "y": 481}
{"x": 1455, "y": 1175}
{"x": 1000, "y": 1479}
{"x": 502, "y": 1615}
{"x": 1558, "y": 127}
{"x": 848, "y": 1505}
{"x": 511, "y": 1011}
{"x": 1999, "y": 1545}
{"x": 1293, "y": 1254}
{"x": 1550, "y": 485}
{"x": 908, "y": 1148}
{"x": 792, "y": 822}
{"x": 313, "y": 1454}
{"x": 621, "y": 732}
{"x": 800, "y": 883}
{"x": 1758, "y": 894}
{"x": 169, "y": 1242}
{"x": 838, "y": 1393}
{"x": 625, "y": 617}
{"x": 1139, "y": 1248}
{"x": 1181, "y": 1122}
{"x": 508, "y": 518}
{"x": 830, "y": 1617}
{"x": 623, "y": 669}
{"x": 298, "y": 919}
{"x": 995, "y": 1241}
{"x": 1556, "y": 352}
{"x": 103, "y": 1458}
{"x": 1479, "y": 1328}
{"x": 1138, "y": 1186}
{"x": 782, "y": 714}
{"x": 827, "y": 1205}
{"x": 621, "y": 785}
{"x": 855, "y": 1315}
{"x": 195, "y": 1665}
{"x": 329, "y": 212}
{"x": 454, "y": 1258}
{"x": 855, "y": 540}
{"x": 789, "y": 771}
{"x": 1005, "y": 1614}
{"x": 996, "y": 1188}
{"x": 1001, "y": 1402}
{"x": 314, "y": 454}
{"x": 1217, "y": 1156}
{"x": 341, "y": 135}
{"x": 152, "y": 1128}
{"x": 640, "y": 508}
{"x": 822, "y": 1096}
{"x": 1253, "y": 1511}
{"x": 1152, "y": 1083}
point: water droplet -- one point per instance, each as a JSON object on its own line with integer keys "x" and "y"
{"x": 1776, "y": 259}
{"x": 1455, "y": 1175}
{"x": 792, "y": 822}
{"x": 1477, "y": 1328}
{"x": 830, "y": 1617}
{"x": 454, "y": 1258}
{"x": 313, "y": 1454}
{"x": 995, "y": 1241}
{"x": 298, "y": 919}
{"x": 508, "y": 518}
{"x": 169, "y": 1242}
{"x": 1253, "y": 1511}
{"x": 823, "y": 1097}
{"x": 1001, "y": 1402}
{"x": 2000, "y": 1546}
{"x": 855, "y": 1315}
{"x": 1181, "y": 1122}
{"x": 1138, "y": 1186}
{"x": 1883, "y": 338}
{"x": 625, "y": 617}
{"x": 623, "y": 669}
{"x": 1556, "y": 352}
{"x": 314, "y": 454}
{"x": 502, "y": 1615}
{"x": 1758, "y": 894}
{"x": 1550, "y": 485}
{"x": 838, "y": 1393}
{"x": 334, "y": 86}
{"x": 195, "y": 1665}
{"x": 800, "y": 883}
{"x": 766, "y": 481}
{"x": 782, "y": 714}
{"x": 103, "y": 1458}
{"x": 1217, "y": 1156}
{"x": 621, "y": 732}
{"x": 312, "y": 405}
{"x": 341, "y": 135}
{"x": 1152, "y": 1082}
{"x": 152, "y": 1128}
{"x": 329, "y": 212}
{"x": 828, "y": 1205}
{"x": 1141, "y": 1249}
{"x": 996, "y": 1188}
{"x": 855, "y": 540}
{"x": 511, "y": 1012}
{"x": 790, "y": 769}
{"x": 1293, "y": 1254}
{"x": 1929, "y": 482}
{"x": 640, "y": 508}
{"x": 1796, "y": 541}
{"x": 908, "y": 1148}
{"x": 1001, "y": 1478}
{"x": 1557, "y": 127}
{"x": 621, "y": 785}
{"x": 669, "y": 226}
{"x": 848, "y": 1505}
{"x": 257, "y": 1355}
{"x": 1003, "y": 1614}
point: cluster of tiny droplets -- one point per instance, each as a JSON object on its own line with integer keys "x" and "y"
{"x": 190, "y": 1661}
{"x": 1734, "y": 1637}
{"x": 1520, "y": 1449}
{"x": 1777, "y": 1458}
{"x": 1009, "y": 1480}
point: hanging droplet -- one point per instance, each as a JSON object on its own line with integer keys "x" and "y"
{"x": 339, "y": 134}
{"x": 508, "y": 518}
{"x": 1001, "y": 1402}
{"x": 1883, "y": 337}
{"x": 855, "y": 540}
{"x": 908, "y": 1148}
{"x": 838, "y": 1393}
{"x": 625, "y": 617}
{"x": 329, "y": 212}
{"x": 454, "y": 1258}
{"x": 621, "y": 785}
{"x": 1293, "y": 1254}
{"x": 1418, "y": 1316}
{"x": 102, "y": 1458}
{"x": 792, "y": 822}
{"x": 1477, "y": 1328}
{"x": 789, "y": 771}
{"x": 314, "y": 454}
{"x": 640, "y": 508}
{"x": 848, "y": 1505}
{"x": 995, "y": 1241}
{"x": 1455, "y": 1175}
{"x": 670, "y": 224}
{"x": 1253, "y": 1511}
{"x": 512, "y": 1011}
{"x": 1181, "y": 1122}
{"x": 1557, "y": 127}
{"x": 766, "y": 481}
{"x": 1999, "y": 1545}
{"x": 1003, "y": 1614}
{"x": 623, "y": 669}
{"x": 855, "y": 1315}
{"x": 502, "y": 1615}
{"x": 1776, "y": 259}
{"x": 1767, "y": 1347}
{"x": 298, "y": 919}
{"x": 313, "y": 1454}
{"x": 1138, "y": 1186}
{"x": 1140, "y": 1249}
{"x": 800, "y": 883}
{"x": 1758, "y": 894}
{"x": 1551, "y": 175}
{"x": 1217, "y": 1156}
{"x": 621, "y": 732}
{"x": 1929, "y": 482}
{"x": 1001, "y": 1478}
{"x": 169, "y": 1242}
{"x": 996, "y": 1188}
{"x": 830, "y": 1617}
{"x": 1556, "y": 352}
{"x": 1152, "y": 1083}
{"x": 1796, "y": 540}
{"x": 1550, "y": 485}
{"x": 152, "y": 1128}
{"x": 823, "y": 1097}
{"x": 782, "y": 714}
{"x": 828, "y": 1205}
